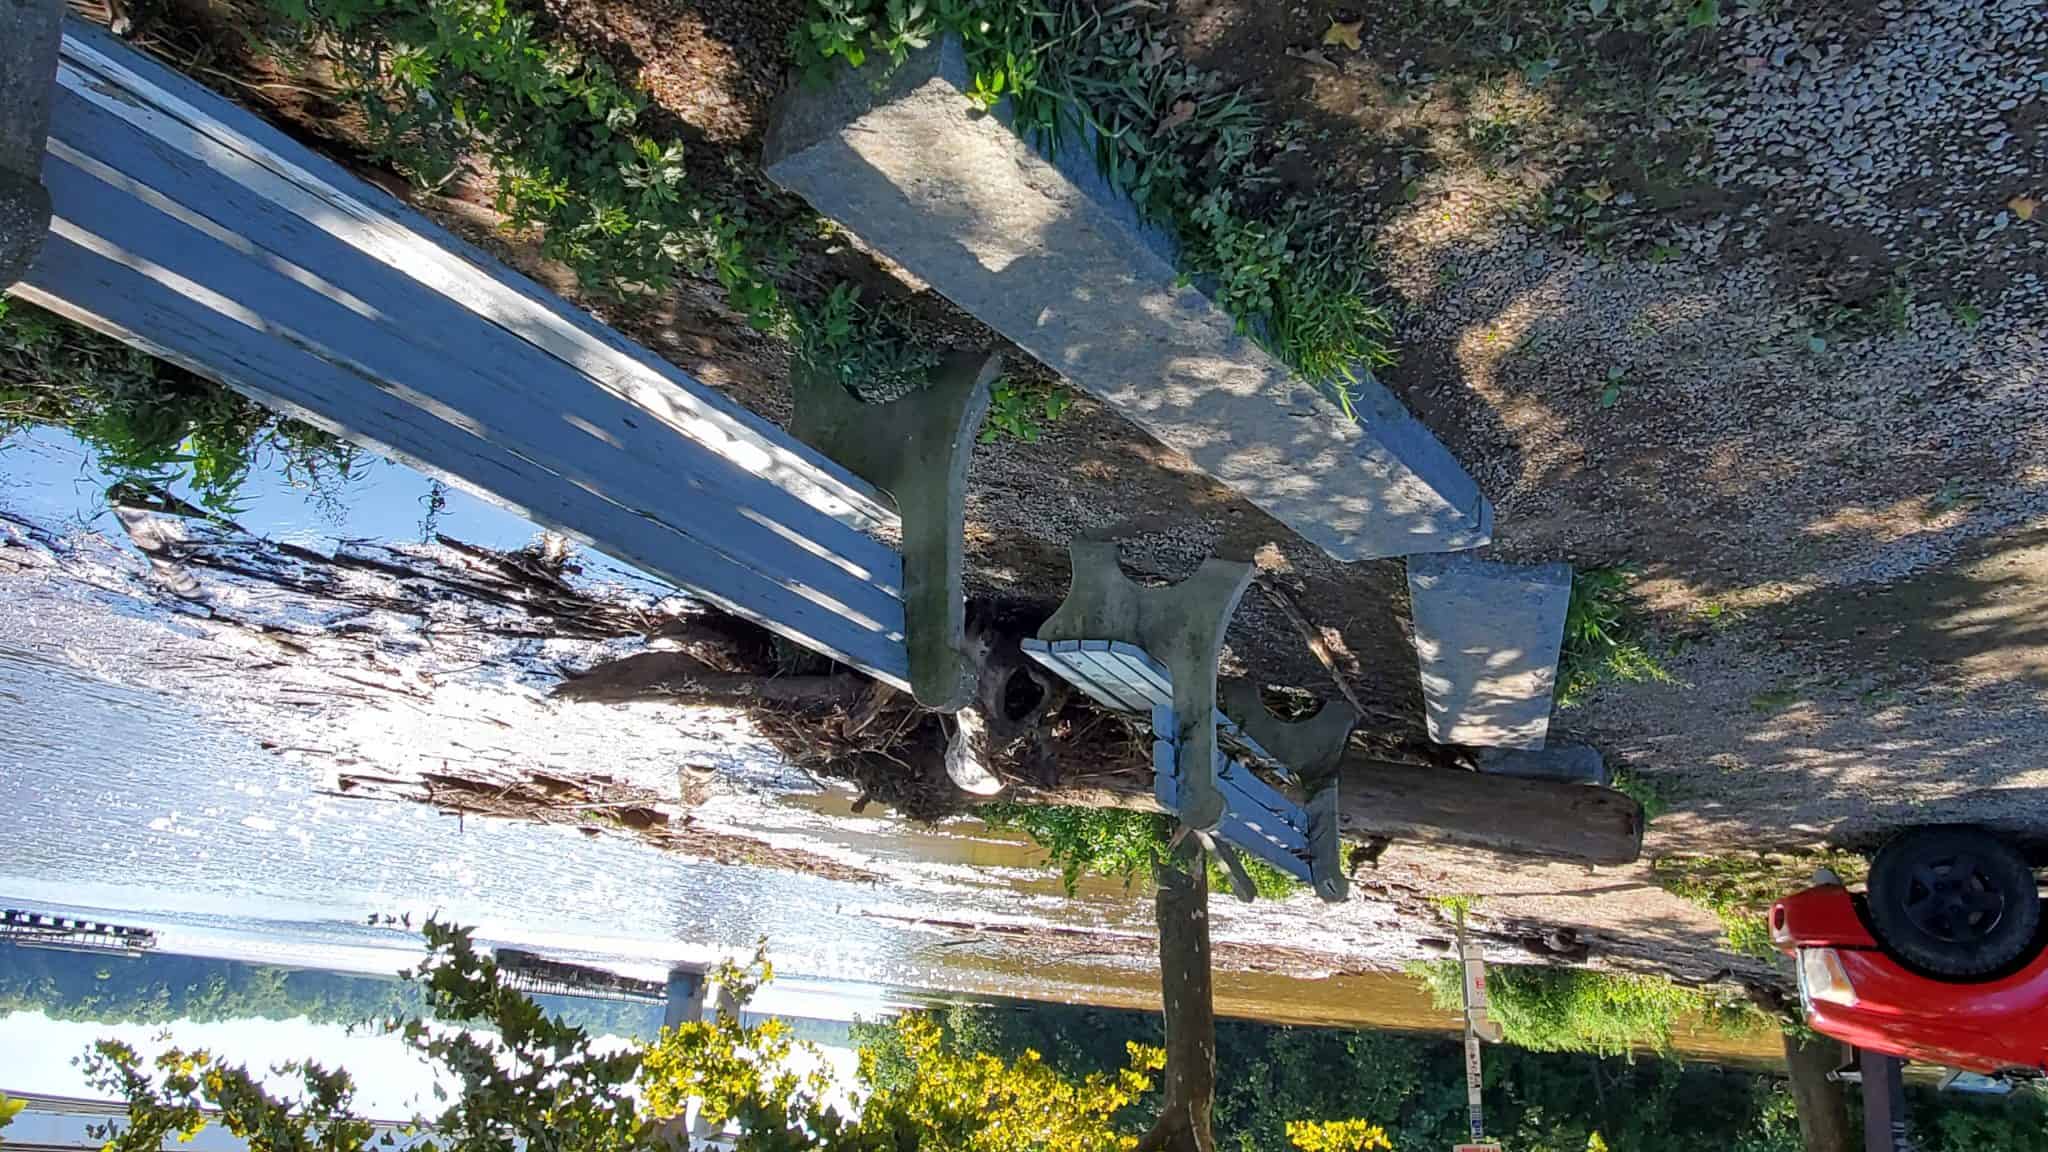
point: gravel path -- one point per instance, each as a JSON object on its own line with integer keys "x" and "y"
{"x": 1803, "y": 394}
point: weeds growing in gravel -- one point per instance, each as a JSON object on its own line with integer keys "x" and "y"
{"x": 1741, "y": 888}
{"x": 1021, "y": 410}
{"x": 1644, "y": 791}
{"x": 868, "y": 353}
{"x": 1192, "y": 156}
{"x": 1603, "y": 641}
{"x": 147, "y": 422}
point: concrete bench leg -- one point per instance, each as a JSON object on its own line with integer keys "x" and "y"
{"x": 1180, "y": 626}
{"x": 917, "y": 448}
{"x": 1312, "y": 749}
{"x": 29, "y": 31}
{"x": 1487, "y": 639}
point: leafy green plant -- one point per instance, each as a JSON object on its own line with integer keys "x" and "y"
{"x": 1455, "y": 905}
{"x": 524, "y": 1079}
{"x": 439, "y": 80}
{"x": 1740, "y": 888}
{"x": 1113, "y": 842}
{"x": 9, "y": 1109}
{"x": 1020, "y": 411}
{"x": 866, "y": 352}
{"x": 149, "y": 423}
{"x": 1603, "y": 641}
{"x": 1583, "y": 1010}
{"x": 1643, "y": 790}
{"x": 1611, "y": 389}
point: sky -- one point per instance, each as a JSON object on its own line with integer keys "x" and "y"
{"x": 40, "y": 1055}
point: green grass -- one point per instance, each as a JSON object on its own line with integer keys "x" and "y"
{"x": 1115, "y": 843}
{"x": 1582, "y": 1010}
{"x": 148, "y": 423}
{"x": 1604, "y": 642}
{"x": 1740, "y": 888}
{"x": 1195, "y": 158}
{"x": 1643, "y": 790}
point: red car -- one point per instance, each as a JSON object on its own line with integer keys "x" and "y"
{"x": 1942, "y": 960}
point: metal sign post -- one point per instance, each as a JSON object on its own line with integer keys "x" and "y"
{"x": 1478, "y": 1026}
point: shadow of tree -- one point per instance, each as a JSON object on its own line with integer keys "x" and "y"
{"x": 1845, "y": 713}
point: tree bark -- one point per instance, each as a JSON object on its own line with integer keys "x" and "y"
{"x": 1823, "y": 1104}
{"x": 1186, "y": 1114}
{"x": 1437, "y": 806}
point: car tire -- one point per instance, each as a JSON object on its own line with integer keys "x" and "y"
{"x": 1954, "y": 903}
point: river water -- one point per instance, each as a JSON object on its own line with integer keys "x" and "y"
{"x": 134, "y": 805}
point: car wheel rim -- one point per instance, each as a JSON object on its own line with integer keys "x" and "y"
{"x": 1955, "y": 900}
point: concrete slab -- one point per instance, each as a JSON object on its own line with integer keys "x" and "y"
{"x": 1045, "y": 252}
{"x": 1570, "y": 763}
{"x": 1487, "y": 637}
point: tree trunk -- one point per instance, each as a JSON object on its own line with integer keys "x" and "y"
{"x": 1185, "y": 1115}
{"x": 1438, "y": 806}
{"x": 1823, "y": 1104}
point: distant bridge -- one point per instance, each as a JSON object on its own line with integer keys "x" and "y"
{"x": 43, "y": 930}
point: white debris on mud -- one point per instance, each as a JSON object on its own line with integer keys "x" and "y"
{"x": 450, "y": 687}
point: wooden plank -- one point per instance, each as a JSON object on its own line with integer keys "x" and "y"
{"x": 553, "y": 419}
{"x": 1144, "y": 668}
{"x": 1062, "y": 658}
{"x": 180, "y": 321}
{"x": 1256, "y": 818}
{"x": 229, "y": 138}
{"x": 1112, "y": 669}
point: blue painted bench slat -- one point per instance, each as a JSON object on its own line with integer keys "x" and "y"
{"x": 188, "y": 227}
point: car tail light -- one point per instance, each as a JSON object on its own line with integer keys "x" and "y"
{"x": 1822, "y": 977}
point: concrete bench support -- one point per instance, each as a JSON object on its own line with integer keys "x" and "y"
{"x": 1487, "y": 637}
{"x": 1311, "y": 751}
{"x": 917, "y": 449}
{"x": 1182, "y": 628}
{"x": 1045, "y": 252}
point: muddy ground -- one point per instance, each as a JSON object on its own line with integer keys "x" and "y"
{"x": 1754, "y": 308}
